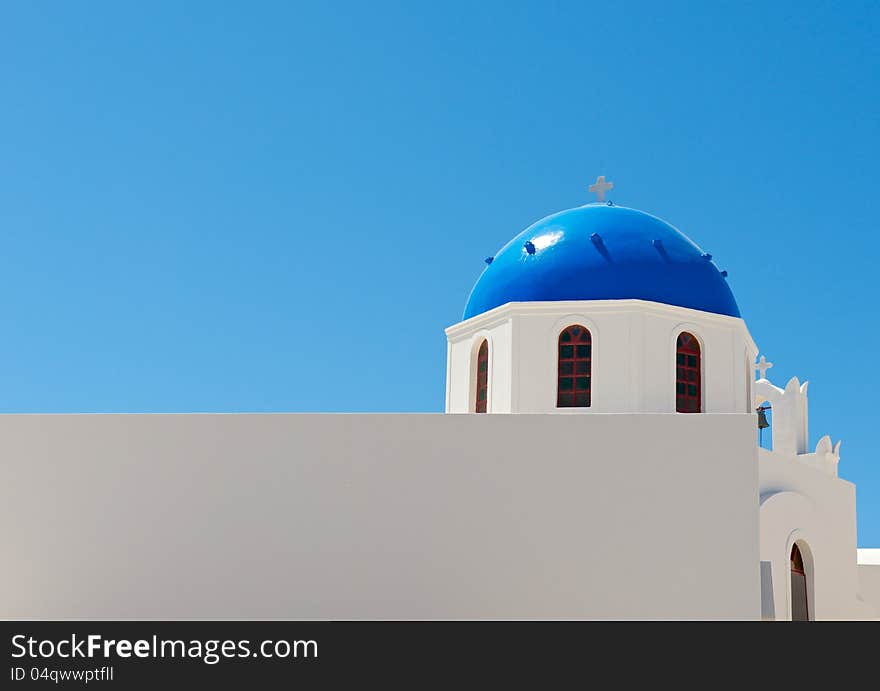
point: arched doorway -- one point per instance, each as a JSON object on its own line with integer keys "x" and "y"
{"x": 800, "y": 606}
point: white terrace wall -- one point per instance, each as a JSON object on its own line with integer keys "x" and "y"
{"x": 378, "y": 516}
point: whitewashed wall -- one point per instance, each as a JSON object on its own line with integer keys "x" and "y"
{"x": 462, "y": 354}
{"x": 869, "y": 581}
{"x": 803, "y": 504}
{"x": 378, "y": 516}
{"x": 633, "y": 357}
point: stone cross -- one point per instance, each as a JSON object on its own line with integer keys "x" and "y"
{"x": 763, "y": 366}
{"x": 600, "y": 188}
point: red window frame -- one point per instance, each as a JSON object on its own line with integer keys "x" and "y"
{"x": 574, "y": 368}
{"x": 688, "y": 374}
{"x": 482, "y": 393}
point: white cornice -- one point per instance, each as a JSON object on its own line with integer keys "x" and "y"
{"x": 511, "y": 309}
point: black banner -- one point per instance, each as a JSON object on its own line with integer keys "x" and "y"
{"x": 131, "y": 655}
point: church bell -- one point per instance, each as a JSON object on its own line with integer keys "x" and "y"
{"x": 762, "y": 417}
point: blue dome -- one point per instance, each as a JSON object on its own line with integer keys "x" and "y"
{"x": 602, "y": 252}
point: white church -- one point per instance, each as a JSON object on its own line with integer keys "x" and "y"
{"x": 598, "y": 459}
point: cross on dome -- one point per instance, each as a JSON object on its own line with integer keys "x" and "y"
{"x": 600, "y": 187}
{"x": 763, "y": 366}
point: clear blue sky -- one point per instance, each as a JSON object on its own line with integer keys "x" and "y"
{"x": 275, "y": 206}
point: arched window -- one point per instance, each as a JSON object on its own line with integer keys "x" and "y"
{"x": 574, "y": 369}
{"x": 688, "y": 385}
{"x": 800, "y": 609}
{"x": 482, "y": 377}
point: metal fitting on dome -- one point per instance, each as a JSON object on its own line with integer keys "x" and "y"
{"x": 661, "y": 249}
{"x": 707, "y": 256}
{"x": 489, "y": 260}
{"x": 724, "y": 273}
{"x": 601, "y": 248}
{"x": 529, "y": 247}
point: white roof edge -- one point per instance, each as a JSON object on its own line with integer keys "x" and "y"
{"x": 868, "y": 557}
